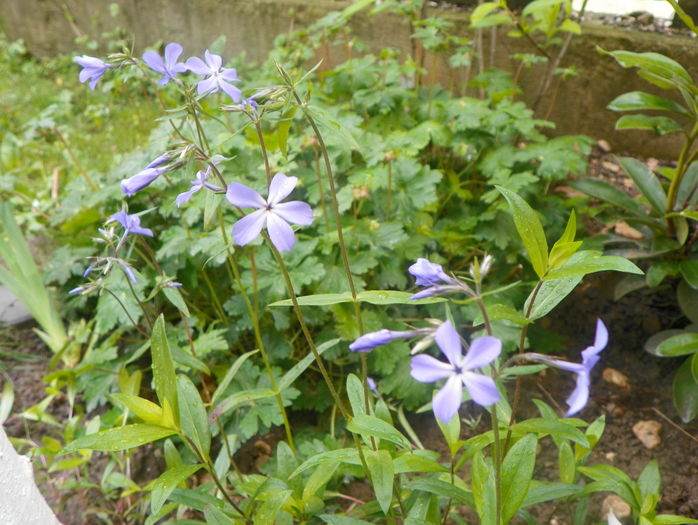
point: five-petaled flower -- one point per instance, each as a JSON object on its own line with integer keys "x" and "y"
{"x": 458, "y": 371}
{"x": 371, "y": 340}
{"x": 92, "y": 69}
{"x": 433, "y": 276}
{"x": 218, "y": 77}
{"x": 196, "y": 185}
{"x": 146, "y": 176}
{"x": 131, "y": 224}
{"x": 169, "y": 67}
{"x": 270, "y": 212}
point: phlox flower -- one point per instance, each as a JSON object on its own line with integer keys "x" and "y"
{"x": 271, "y": 212}
{"x": 146, "y": 176}
{"x": 92, "y": 69}
{"x": 433, "y": 276}
{"x": 196, "y": 185}
{"x": 371, "y": 340}
{"x": 169, "y": 67}
{"x": 131, "y": 224}
{"x": 218, "y": 77}
{"x": 458, "y": 371}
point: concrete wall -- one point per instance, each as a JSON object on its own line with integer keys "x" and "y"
{"x": 50, "y": 26}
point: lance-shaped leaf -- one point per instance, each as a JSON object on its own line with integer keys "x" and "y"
{"x": 120, "y": 438}
{"x": 646, "y": 182}
{"x": 641, "y": 101}
{"x": 163, "y": 368}
{"x": 656, "y": 124}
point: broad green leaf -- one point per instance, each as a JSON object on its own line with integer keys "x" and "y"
{"x": 639, "y": 101}
{"x": 414, "y": 462}
{"x": 543, "y": 427}
{"x": 676, "y": 345}
{"x": 566, "y": 463}
{"x": 650, "y": 479}
{"x": 655, "y": 340}
{"x": 688, "y": 300}
{"x": 268, "y": 511}
{"x": 163, "y": 486}
{"x": 215, "y": 516}
{"x": 175, "y": 296}
{"x": 144, "y": 409}
{"x": 483, "y": 489}
{"x": 685, "y": 392}
{"x": 380, "y": 466}
{"x": 540, "y": 492}
{"x": 342, "y": 520}
{"x": 451, "y": 432}
{"x": 120, "y": 438}
{"x": 326, "y": 123}
{"x": 605, "y": 192}
{"x": 371, "y": 426}
{"x": 550, "y": 295}
{"x": 355, "y": 393}
{"x": 658, "y": 125}
{"x": 610, "y": 478}
{"x": 230, "y": 374}
{"x": 663, "y": 70}
{"x": 163, "y": 367}
{"x": 687, "y": 194}
{"x": 192, "y": 415}
{"x": 570, "y": 26}
{"x": 317, "y": 480}
{"x": 241, "y": 398}
{"x": 497, "y": 19}
{"x": 671, "y": 519}
{"x": 689, "y": 270}
{"x": 296, "y": 370}
{"x": 331, "y": 457}
{"x": 482, "y": 11}
{"x": 530, "y": 230}
{"x": 443, "y": 489}
{"x": 588, "y": 262}
{"x": 517, "y": 472}
{"x": 646, "y": 182}
{"x": 380, "y": 297}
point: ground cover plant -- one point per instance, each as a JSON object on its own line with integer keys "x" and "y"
{"x": 253, "y": 260}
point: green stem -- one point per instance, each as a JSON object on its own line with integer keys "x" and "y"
{"x": 267, "y": 168}
{"x": 681, "y": 168}
{"x": 497, "y": 459}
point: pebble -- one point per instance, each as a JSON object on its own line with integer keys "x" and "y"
{"x": 610, "y": 456}
{"x": 623, "y": 229}
{"x": 648, "y": 432}
{"x": 614, "y": 377}
{"x": 604, "y": 146}
{"x": 615, "y": 503}
{"x": 610, "y": 166}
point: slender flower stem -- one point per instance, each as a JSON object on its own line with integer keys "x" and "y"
{"x": 260, "y": 135}
{"x": 321, "y": 191}
{"x": 681, "y": 168}
{"x": 497, "y": 459}
{"x": 257, "y": 334}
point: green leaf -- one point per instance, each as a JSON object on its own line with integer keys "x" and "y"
{"x": 612, "y": 479}
{"x": 687, "y": 194}
{"x": 284, "y": 127}
{"x": 371, "y": 426}
{"x": 589, "y": 261}
{"x": 530, "y": 230}
{"x": 451, "y": 432}
{"x": 163, "y": 486}
{"x": 192, "y": 415}
{"x": 317, "y": 480}
{"x": 268, "y": 511}
{"x": 380, "y": 466}
{"x": 144, "y": 409}
{"x": 294, "y": 373}
{"x": 517, "y": 472}
{"x": 326, "y": 122}
{"x": 240, "y": 398}
{"x": 497, "y": 19}
{"x": 605, "y": 192}
{"x": 443, "y": 489}
{"x": 380, "y": 297}
{"x": 671, "y": 519}
{"x": 163, "y": 367}
{"x": 342, "y": 520}
{"x": 566, "y": 463}
{"x": 483, "y": 489}
{"x": 658, "y": 125}
{"x": 230, "y": 374}
{"x": 6, "y": 401}
{"x": 355, "y": 393}
{"x": 680, "y": 344}
{"x": 120, "y": 438}
{"x": 215, "y": 516}
{"x": 639, "y": 101}
{"x": 650, "y": 480}
{"x": 646, "y": 182}
{"x": 688, "y": 300}
{"x": 544, "y": 427}
{"x": 655, "y": 68}
{"x": 482, "y": 11}
{"x": 175, "y": 297}
{"x": 415, "y": 462}
{"x": 331, "y": 457}
{"x": 694, "y": 367}
{"x": 689, "y": 270}
{"x": 550, "y": 295}
{"x": 540, "y": 492}
{"x": 685, "y": 389}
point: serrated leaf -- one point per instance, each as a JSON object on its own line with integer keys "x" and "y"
{"x": 163, "y": 486}
{"x": 120, "y": 438}
{"x": 530, "y": 230}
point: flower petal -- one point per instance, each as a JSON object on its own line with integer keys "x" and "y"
{"x": 428, "y": 369}
{"x": 601, "y": 338}
{"x": 208, "y": 85}
{"x": 121, "y": 217}
{"x": 296, "y": 212}
{"x": 172, "y": 52}
{"x": 281, "y": 186}
{"x": 243, "y": 197}
{"x": 140, "y": 180}
{"x": 371, "y": 340}
{"x": 280, "y": 233}
{"x": 229, "y": 75}
{"x": 483, "y": 351}
{"x": 198, "y": 66}
{"x": 481, "y": 388}
{"x": 230, "y": 90}
{"x": 580, "y": 395}
{"x": 249, "y": 227}
{"x": 184, "y": 197}
{"x": 428, "y": 273}
{"x": 214, "y": 61}
{"x": 154, "y": 61}
{"x": 447, "y": 401}
{"x": 449, "y": 342}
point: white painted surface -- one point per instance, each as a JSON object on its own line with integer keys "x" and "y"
{"x": 659, "y": 8}
{"x": 21, "y": 503}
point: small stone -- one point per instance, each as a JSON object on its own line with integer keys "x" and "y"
{"x": 610, "y": 166}
{"x": 610, "y": 456}
{"x": 604, "y": 146}
{"x": 613, "y": 376}
{"x": 648, "y": 432}
{"x": 623, "y": 229}
{"x": 615, "y": 503}
{"x": 652, "y": 163}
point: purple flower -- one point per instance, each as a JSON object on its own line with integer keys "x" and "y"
{"x": 77, "y": 290}
{"x": 141, "y": 179}
{"x": 371, "y": 340}
{"x": 270, "y": 212}
{"x": 131, "y": 224}
{"x": 432, "y": 275}
{"x": 590, "y": 356}
{"x": 371, "y": 384}
{"x": 196, "y": 186}
{"x": 218, "y": 77}
{"x": 457, "y": 371}
{"x": 169, "y": 67}
{"x": 92, "y": 69}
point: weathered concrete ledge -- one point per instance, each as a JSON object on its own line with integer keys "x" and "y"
{"x": 50, "y": 27}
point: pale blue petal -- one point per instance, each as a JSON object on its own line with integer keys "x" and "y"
{"x": 249, "y": 227}
{"x": 580, "y": 395}
{"x": 449, "y": 342}
{"x": 154, "y": 61}
{"x": 198, "y": 66}
{"x": 214, "y": 61}
{"x": 229, "y": 75}
{"x": 209, "y": 85}
{"x": 121, "y": 217}
{"x": 230, "y": 90}
{"x": 280, "y": 188}
{"x": 296, "y": 212}
{"x": 371, "y": 340}
{"x": 280, "y": 233}
{"x": 483, "y": 351}
{"x": 184, "y": 197}
{"x": 172, "y": 52}
{"x": 447, "y": 401}
{"x": 482, "y": 389}
{"x": 428, "y": 369}
{"x": 243, "y": 197}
